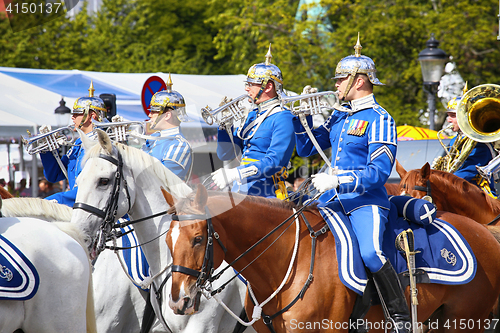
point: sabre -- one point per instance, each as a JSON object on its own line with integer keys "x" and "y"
{"x": 408, "y": 240}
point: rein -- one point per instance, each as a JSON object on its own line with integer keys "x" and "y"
{"x": 108, "y": 214}
{"x": 204, "y": 275}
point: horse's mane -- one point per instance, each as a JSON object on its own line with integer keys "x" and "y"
{"x": 458, "y": 186}
{"x": 183, "y": 205}
{"x": 140, "y": 160}
{"x": 37, "y": 208}
{"x": 465, "y": 188}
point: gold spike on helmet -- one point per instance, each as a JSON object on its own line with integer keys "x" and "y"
{"x": 168, "y": 99}
{"x": 84, "y": 105}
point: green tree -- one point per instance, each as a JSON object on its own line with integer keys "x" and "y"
{"x": 228, "y": 36}
{"x": 392, "y": 33}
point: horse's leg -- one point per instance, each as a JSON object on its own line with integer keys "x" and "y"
{"x": 11, "y": 315}
{"x": 119, "y": 304}
{"x": 61, "y": 300}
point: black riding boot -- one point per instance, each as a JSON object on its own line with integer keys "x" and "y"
{"x": 392, "y": 295}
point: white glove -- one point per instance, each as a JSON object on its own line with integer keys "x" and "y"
{"x": 435, "y": 162}
{"x": 117, "y": 119}
{"x": 309, "y": 90}
{"x": 225, "y": 100}
{"x": 224, "y": 177}
{"x": 324, "y": 182}
{"x": 44, "y": 129}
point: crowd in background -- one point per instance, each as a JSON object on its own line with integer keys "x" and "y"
{"x": 45, "y": 188}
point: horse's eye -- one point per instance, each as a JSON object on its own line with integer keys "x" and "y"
{"x": 198, "y": 240}
{"x": 103, "y": 181}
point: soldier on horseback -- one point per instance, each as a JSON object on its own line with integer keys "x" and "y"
{"x": 364, "y": 142}
{"x": 84, "y": 111}
{"x": 166, "y": 113}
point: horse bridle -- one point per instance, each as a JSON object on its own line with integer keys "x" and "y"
{"x": 206, "y": 272}
{"x": 108, "y": 214}
{"x": 207, "y": 268}
{"x": 426, "y": 189}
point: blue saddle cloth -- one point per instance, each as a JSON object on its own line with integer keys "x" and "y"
{"x": 444, "y": 253}
{"x": 19, "y": 279}
{"x": 137, "y": 265}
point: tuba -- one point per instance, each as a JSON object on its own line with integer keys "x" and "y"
{"x": 478, "y": 116}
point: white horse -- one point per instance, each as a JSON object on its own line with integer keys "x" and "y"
{"x": 119, "y": 304}
{"x": 131, "y": 180}
{"x": 63, "y": 301}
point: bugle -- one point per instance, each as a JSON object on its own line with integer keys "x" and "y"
{"x": 50, "y": 141}
{"x": 312, "y": 104}
{"x": 120, "y": 130}
{"x": 225, "y": 114}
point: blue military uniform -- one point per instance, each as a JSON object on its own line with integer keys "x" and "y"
{"x": 266, "y": 144}
{"x": 364, "y": 144}
{"x": 72, "y": 161}
{"x": 173, "y": 150}
{"x": 481, "y": 155}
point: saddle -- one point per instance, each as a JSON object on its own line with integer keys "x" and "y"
{"x": 19, "y": 279}
{"x": 443, "y": 255}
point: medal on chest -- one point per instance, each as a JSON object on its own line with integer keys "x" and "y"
{"x": 357, "y": 127}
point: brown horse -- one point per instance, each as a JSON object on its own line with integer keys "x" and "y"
{"x": 327, "y": 303}
{"x": 449, "y": 193}
{"x": 4, "y": 194}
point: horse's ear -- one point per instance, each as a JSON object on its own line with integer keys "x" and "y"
{"x": 425, "y": 172}
{"x": 201, "y": 197}
{"x": 168, "y": 197}
{"x": 104, "y": 141}
{"x": 87, "y": 143}
{"x": 400, "y": 170}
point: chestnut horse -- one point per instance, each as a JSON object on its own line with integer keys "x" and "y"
{"x": 326, "y": 304}
{"x": 4, "y": 194}
{"x": 449, "y": 193}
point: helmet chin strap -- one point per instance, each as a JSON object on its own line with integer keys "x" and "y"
{"x": 349, "y": 83}
{"x": 161, "y": 113}
{"x": 85, "y": 116}
{"x": 262, "y": 88}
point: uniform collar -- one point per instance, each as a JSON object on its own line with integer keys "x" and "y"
{"x": 267, "y": 105}
{"x": 92, "y": 135}
{"x": 169, "y": 132}
{"x": 362, "y": 103}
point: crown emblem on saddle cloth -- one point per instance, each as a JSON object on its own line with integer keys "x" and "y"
{"x": 6, "y": 273}
{"x": 449, "y": 257}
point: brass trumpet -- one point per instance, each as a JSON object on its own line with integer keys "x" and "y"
{"x": 225, "y": 114}
{"x": 121, "y": 130}
{"x": 50, "y": 141}
{"x": 312, "y": 104}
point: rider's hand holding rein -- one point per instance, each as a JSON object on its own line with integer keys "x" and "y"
{"x": 324, "y": 182}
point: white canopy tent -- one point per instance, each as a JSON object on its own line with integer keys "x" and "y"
{"x": 28, "y": 98}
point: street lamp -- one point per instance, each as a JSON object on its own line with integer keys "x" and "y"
{"x": 432, "y": 61}
{"x": 62, "y": 113}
